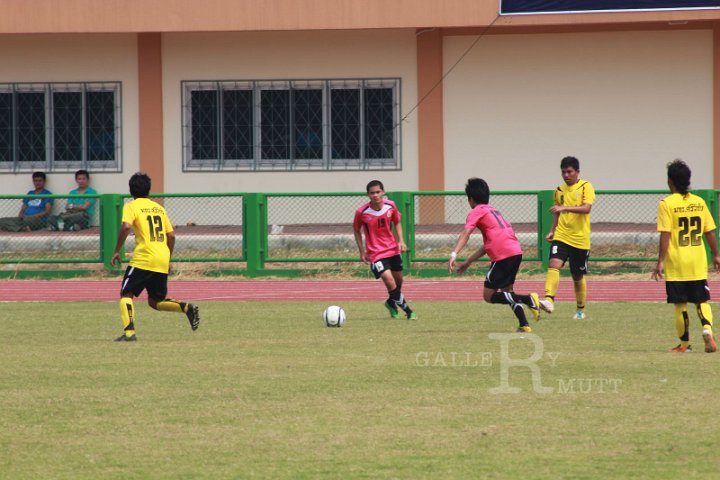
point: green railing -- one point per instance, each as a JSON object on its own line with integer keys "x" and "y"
{"x": 257, "y": 234}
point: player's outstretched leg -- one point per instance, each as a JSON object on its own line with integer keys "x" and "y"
{"x": 191, "y": 310}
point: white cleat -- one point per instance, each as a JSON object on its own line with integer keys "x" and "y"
{"x": 546, "y": 306}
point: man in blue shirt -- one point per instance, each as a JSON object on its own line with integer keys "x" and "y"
{"x": 34, "y": 212}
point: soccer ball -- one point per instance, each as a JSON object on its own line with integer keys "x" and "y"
{"x": 334, "y": 316}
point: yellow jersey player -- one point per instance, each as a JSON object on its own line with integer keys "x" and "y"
{"x": 569, "y": 235}
{"x": 150, "y": 264}
{"x": 683, "y": 220}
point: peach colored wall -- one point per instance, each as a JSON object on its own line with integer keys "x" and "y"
{"x": 66, "y": 16}
{"x": 288, "y": 55}
{"x": 624, "y": 103}
{"x": 76, "y": 58}
{"x": 152, "y": 159}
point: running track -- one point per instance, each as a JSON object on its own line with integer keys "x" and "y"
{"x": 327, "y": 290}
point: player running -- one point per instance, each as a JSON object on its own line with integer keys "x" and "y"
{"x": 150, "y": 263}
{"x": 683, "y": 220}
{"x": 503, "y": 248}
{"x": 382, "y": 247}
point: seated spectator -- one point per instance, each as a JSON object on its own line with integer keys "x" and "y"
{"x": 34, "y": 212}
{"x": 79, "y": 211}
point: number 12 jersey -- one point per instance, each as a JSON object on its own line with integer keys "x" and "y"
{"x": 151, "y": 225}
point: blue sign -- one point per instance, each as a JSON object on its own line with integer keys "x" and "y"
{"x": 512, "y": 7}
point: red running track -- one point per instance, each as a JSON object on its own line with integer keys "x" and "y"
{"x": 328, "y": 290}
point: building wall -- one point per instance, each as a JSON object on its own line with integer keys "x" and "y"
{"x": 76, "y": 58}
{"x": 624, "y": 103}
{"x": 282, "y": 56}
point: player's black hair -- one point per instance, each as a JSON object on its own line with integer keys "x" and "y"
{"x": 375, "y": 183}
{"x": 39, "y": 175}
{"x": 82, "y": 172}
{"x": 679, "y": 173}
{"x": 139, "y": 185}
{"x": 571, "y": 162}
{"x": 478, "y": 190}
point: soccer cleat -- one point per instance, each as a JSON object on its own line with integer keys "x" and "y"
{"x": 681, "y": 349}
{"x": 125, "y": 338}
{"x": 535, "y": 307}
{"x": 709, "y": 340}
{"x": 524, "y": 329}
{"x": 547, "y": 305}
{"x": 193, "y": 315}
{"x": 392, "y": 308}
{"x": 580, "y": 315}
{"x": 412, "y": 316}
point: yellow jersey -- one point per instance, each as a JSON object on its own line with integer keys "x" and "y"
{"x": 151, "y": 225}
{"x": 686, "y": 218}
{"x": 574, "y": 228}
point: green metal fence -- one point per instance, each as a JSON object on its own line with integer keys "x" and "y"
{"x": 291, "y": 233}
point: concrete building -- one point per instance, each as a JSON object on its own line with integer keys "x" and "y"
{"x": 325, "y": 95}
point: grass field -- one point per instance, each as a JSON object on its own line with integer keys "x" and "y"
{"x": 264, "y": 390}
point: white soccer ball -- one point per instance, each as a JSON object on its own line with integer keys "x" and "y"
{"x": 334, "y": 316}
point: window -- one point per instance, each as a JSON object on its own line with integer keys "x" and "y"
{"x": 291, "y": 125}
{"x": 60, "y": 126}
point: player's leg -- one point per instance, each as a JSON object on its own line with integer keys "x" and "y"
{"x": 578, "y": 269}
{"x": 498, "y": 288}
{"x": 677, "y": 294}
{"x": 132, "y": 285}
{"x": 396, "y": 268}
{"x": 558, "y": 257}
{"x": 682, "y": 324}
{"x": 700, "y": 295}
{"x": 127, "y": 316}
{"x": 381, "y": 270}
{"x": 157, "y": 293}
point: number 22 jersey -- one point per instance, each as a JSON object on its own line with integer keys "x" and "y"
{"x": 686, "y": 218}
{"x": 151, "y": 225}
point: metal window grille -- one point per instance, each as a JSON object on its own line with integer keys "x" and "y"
{"x": 291, "y": 125}
{"x": 60, "y": 126}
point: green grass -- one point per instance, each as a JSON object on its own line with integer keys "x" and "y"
{"x": 264, "y": 390}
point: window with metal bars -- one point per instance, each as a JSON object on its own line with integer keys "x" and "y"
{"x": 291, "y": 125}
{"x": 60, "y": 126}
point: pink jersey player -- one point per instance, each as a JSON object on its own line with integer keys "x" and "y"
{"x": 382, "y": 247}
{"x": 380, "y": 241}
{"x": 498, "y": 234}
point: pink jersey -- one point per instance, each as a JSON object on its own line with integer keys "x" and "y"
{"x": 498, "y": 235}
{"x": 376, "y": 224}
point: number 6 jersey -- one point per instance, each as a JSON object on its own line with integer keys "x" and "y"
{"x": 686, "y": 218}
{"x": 151, "y": 225}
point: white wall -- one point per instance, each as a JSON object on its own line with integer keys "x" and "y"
{"x": 287, "y": 55}
{"x": 624, "y": 103}
{"x": 76, "y": 58}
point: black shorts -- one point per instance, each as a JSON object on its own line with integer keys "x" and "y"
{"x": 503, "y": 272}
{"x": 693, "y": 291}
{"x": 136, "y": 280}
{"x": 578, "y": 257}
{"x": 393, "y": 264}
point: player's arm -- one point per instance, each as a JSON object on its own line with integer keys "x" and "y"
{"x": 48, "y": 209}
{"x": 657, "y": 273}
{"x": 477, "y": 254}
{"x": 712, "y": 243}
{"x": 359, "y": 243}
{"x": 122, "y": 236}
{"x": 461, "y": 242}
{"x": 584, "y": 208}
{"x": 23, "y": 206}
{"x": 399, "y": 237}
{"x": 170, "y": 241}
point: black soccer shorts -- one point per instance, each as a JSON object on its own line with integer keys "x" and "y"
{"x": 578, "y": 257}
{"x": 136, "y": 280}
{"x": 503, "y": 272}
